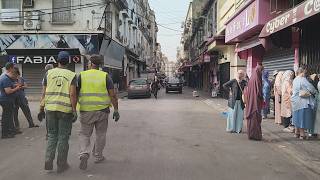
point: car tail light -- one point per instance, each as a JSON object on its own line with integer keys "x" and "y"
{"x": 145, "y": 86}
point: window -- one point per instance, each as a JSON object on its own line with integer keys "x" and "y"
{"x": 278, "y": 6}
{"x": 10, "y": 11}
{"x": 61, "y": 11}
{"x": 11, "y": 4}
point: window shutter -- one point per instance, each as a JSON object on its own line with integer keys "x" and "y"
{"x": 61, "y": 11}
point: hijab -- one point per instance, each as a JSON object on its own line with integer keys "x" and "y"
{"x": 278, "y": 80}
{"x": 254, "y": 92}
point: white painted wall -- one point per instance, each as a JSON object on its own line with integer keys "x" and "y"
{"x": 85, "y": 19}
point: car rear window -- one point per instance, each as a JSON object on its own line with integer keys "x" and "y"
{"x": 138, "y": 82}
{"x": 174, "y": 80}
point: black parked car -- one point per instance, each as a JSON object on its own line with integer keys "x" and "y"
{"x": 174, "y": 84}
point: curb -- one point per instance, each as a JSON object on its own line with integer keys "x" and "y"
{"x": 312, "y": 167}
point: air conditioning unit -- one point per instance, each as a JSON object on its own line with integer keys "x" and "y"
{"x": 10, "y": 15}
{"x": 31, "y": 20}
{"x": 28, "y": 3}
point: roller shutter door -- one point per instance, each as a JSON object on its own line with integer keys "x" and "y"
{"x": 278, "y": 59}
{"x": 33, "y": 74}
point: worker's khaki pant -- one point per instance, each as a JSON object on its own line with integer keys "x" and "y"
{"x": 89, "y": 121}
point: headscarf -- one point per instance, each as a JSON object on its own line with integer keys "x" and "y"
{"x": 253, "y": 92}
{"x": 278, "y": 82}
{"x": 266, "y": 85}
{"x": 287, "y": 79}
{"x": 287, "y": 76}
{"x": 265, "y": 76}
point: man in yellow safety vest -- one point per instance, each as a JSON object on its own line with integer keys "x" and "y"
{"x": 96, "y": 96}
{"x": 59, "y": 94}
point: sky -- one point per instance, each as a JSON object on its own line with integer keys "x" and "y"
{"x": 170, "y": 14}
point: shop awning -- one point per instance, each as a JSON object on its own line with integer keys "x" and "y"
{"x": 253, "y": 42}
{"x": 113, "y": 53}
{"x": 297, "y": 14}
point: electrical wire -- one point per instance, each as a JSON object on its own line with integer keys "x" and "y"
{"x": 66, "y": 9}
{"x": 50, "y": 13}
{"x": 63, "y": 7}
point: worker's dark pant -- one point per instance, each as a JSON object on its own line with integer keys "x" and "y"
{"x": 22, "y": 102}
{"x": 7, "y": 118}
{"x": 59, "y": 131}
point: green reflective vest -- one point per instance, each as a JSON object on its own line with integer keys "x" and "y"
{"x": 94, "y": 95}
{"x": 57, "y": 97}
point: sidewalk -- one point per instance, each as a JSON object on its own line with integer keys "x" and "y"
{"x": 305, "y": 152}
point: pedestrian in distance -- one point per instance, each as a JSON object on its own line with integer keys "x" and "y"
{"x": 235, "y": 102}
{"x": 155, "y": 87}
{"x": 286, "y": 105}
{"x": 277, "y": 97}
{"x": 21, "y": 101}
{"x": 254, "y": 101}
{"x": 96, "y": 96}
{"x": 59, "y": 94}
{"x": 7, "y": 96}
{"x": 303, "y": 103}
{"x": 266, "y": 91}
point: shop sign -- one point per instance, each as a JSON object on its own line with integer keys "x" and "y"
{"x": 305, "y": 10}
{"x": 246, "y": 20}
{"x": 40, "y": 59}
{"x": 86, "y": 43}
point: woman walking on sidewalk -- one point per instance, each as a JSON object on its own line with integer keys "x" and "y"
{"x": 253, "y": 98}
{"x": 277, "y": 94}
{"x": 303, "y": 103}
{"x": 286, "y": 108}
{"x": 235, "y": 103}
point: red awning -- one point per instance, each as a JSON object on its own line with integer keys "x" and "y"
{"x": 297, "y": 14}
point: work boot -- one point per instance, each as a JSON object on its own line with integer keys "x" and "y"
{"x": 84, "y": 162}
{"x": 18, "y": 131}
{"x": 48, "y": 165}
{"x": 99, "y": 160}
{"x": 33, "y": 126}
{"x": 7, "y": 136}
{"x": 63, "y": 168}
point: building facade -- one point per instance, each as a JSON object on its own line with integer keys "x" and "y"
{"x": 33, "y": 32}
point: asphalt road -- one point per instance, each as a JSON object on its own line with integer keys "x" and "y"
{"x": 176, "y": 137}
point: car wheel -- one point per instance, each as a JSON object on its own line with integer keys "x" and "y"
{"x": 167, "y": 91}
{"x": 180, "y": 92}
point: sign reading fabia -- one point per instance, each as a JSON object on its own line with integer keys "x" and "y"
{"x": 33, "y": 60}
{"x": 40, "y": 59}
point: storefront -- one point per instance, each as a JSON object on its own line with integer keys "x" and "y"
{"x": 31, "y": 52}
{"x": 278, "y": 59}
{"x": 297, "y": 29}
{"x": 243, "y": 28}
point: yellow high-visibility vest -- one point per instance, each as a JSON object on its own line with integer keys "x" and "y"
{"x": 57, "y": 97}
{"x": 94, "y": 94}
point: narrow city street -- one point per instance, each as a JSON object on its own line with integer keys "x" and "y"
{"x": 176, "y": 137}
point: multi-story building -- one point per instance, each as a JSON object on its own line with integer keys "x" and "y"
{"x": 200, "y": 27}
{"x": 32, "y": 32}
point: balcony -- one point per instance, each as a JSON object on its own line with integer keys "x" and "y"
{"x": 122, "y": 4}
{"x": 124, "y": 13}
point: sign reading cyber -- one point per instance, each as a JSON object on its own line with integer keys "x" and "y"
{"x": 304, "y": 10}
{"x": 40, "y": 59}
